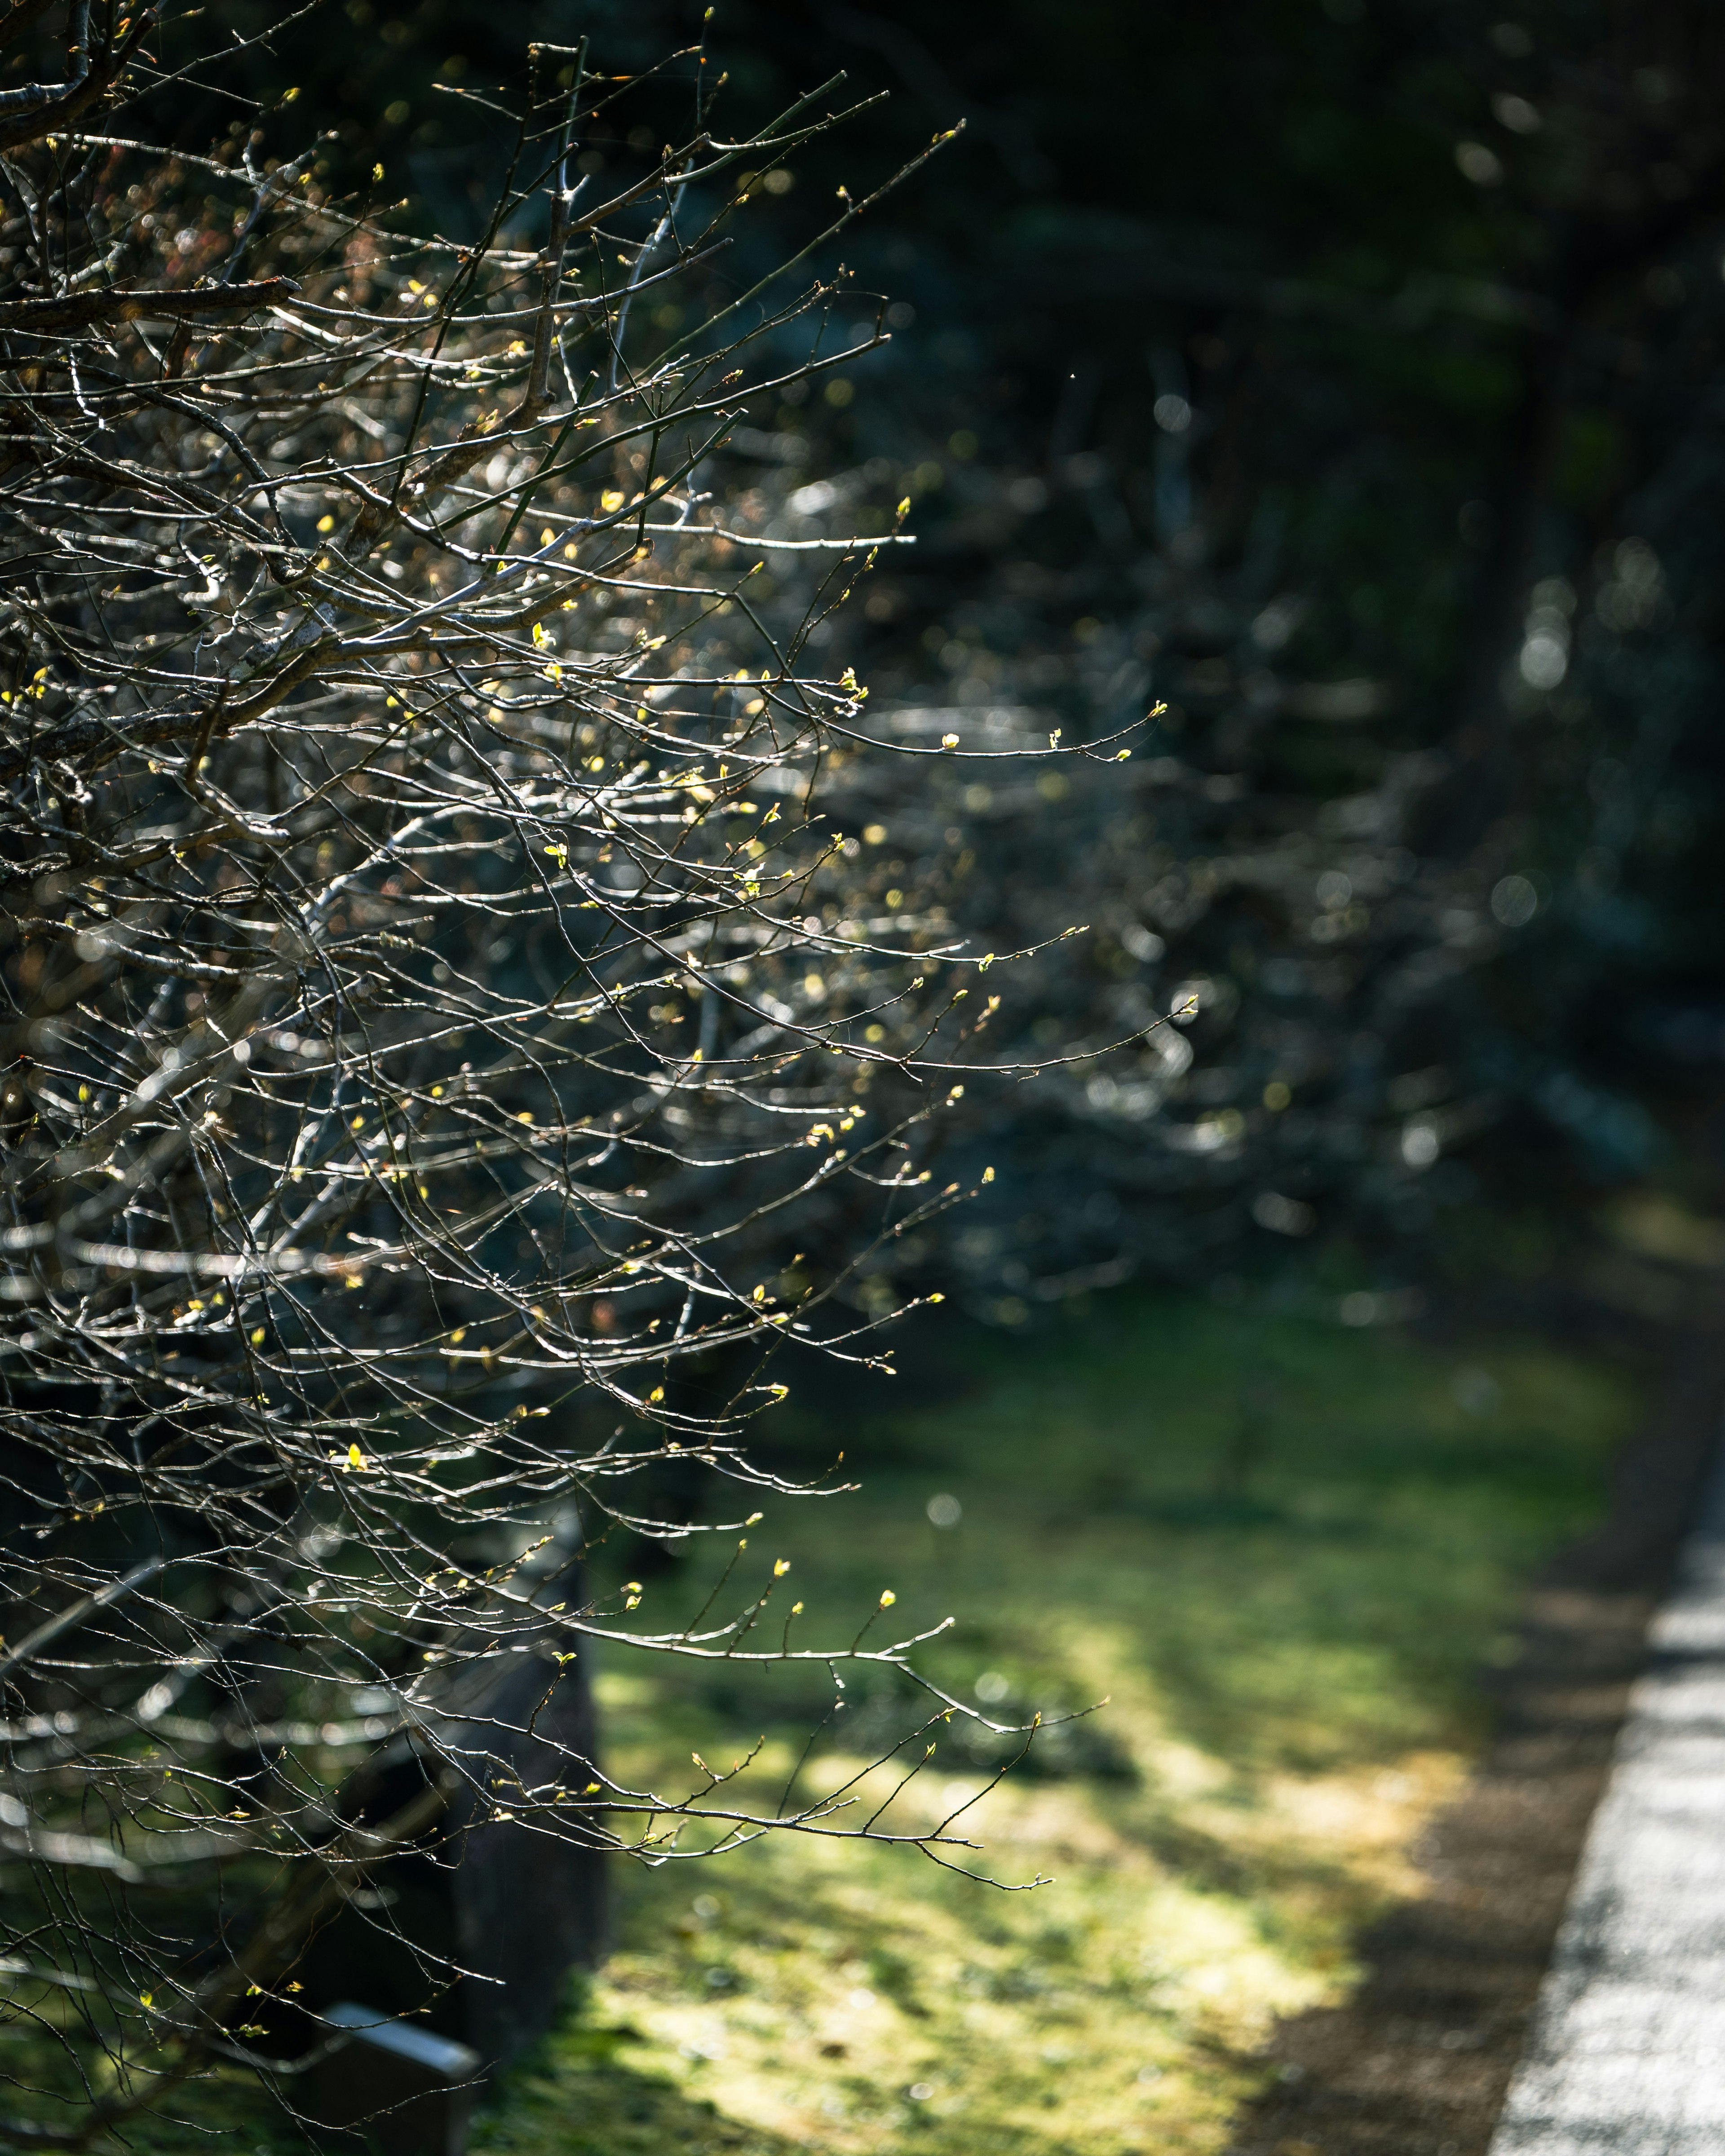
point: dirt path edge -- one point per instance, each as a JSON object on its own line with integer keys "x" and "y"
{"x": 1417, "y": 2060}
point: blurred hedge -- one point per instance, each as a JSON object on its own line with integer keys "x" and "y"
{"x": 1343, "y": 376}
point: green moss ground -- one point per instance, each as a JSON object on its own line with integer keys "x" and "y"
{"x": 1282, "y": 1548}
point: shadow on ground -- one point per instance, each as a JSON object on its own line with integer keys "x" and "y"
{"x": 603, "y": 2106}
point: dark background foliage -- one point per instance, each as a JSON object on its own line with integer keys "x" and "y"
{"x": 1341, "y": 373}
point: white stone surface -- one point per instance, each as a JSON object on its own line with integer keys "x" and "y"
{"x": 1628, "y": 2049}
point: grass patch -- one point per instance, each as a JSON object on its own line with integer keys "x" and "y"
{"x": 1281, "y": 1550}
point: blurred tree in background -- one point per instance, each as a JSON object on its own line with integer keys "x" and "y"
{"x": 1341, "y": 376}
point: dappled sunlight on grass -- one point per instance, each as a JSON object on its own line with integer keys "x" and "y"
{"x": 1280, "y": 1550}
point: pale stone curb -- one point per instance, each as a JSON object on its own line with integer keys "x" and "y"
{"x": 1627, "y": 2052}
